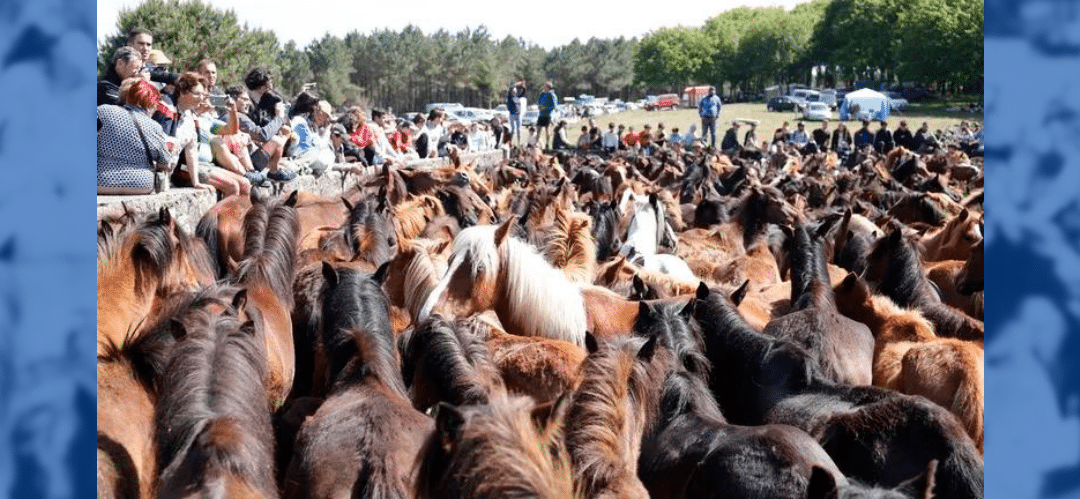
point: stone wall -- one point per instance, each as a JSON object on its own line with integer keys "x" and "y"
{"x": 188, "y": 205}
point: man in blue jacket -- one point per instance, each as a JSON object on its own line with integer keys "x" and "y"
{"x": 709, "y": 111}
{"x": 864, "y": 137}
{"x": 546, "y": 103}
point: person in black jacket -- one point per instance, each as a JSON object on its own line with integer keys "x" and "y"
{"x": 126, "y": 62}
{"x": 919, "y": 140}
{"x": 730, "y": 144}
{"x": 513, "y": 106}
{"x": 902, "y": 136}
{"x": 864, "y": 137}
{"x": 883, "y": 140}
{"x": 821, "y": 136}
{"x": 143, "y": 40}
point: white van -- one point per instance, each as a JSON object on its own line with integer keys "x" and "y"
{"x": 803, "y": 96}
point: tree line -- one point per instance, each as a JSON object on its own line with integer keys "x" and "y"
{"x": 932, "y": 42}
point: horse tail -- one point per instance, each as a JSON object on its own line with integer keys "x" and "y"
{"x": 210, "y": 233}
{"x": 968, "y": 402}
{"x": 114, "y": 458}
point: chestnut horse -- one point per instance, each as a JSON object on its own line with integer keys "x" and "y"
{"x": 954, "y": 241}
{"x": 135, "y": 273}
{"x": 490, "y": 270}
{"x": 364, "y": 439}
{"x": 267, "y": 270}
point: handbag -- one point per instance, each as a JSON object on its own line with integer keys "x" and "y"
{"x": 162, "y": 166}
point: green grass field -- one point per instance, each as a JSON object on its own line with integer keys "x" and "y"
{"x": 934, "y": 114}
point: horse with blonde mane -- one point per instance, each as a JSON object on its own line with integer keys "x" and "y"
{"x": 491, "y": 270}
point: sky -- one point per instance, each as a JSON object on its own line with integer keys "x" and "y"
{"x": 548, "y": 24}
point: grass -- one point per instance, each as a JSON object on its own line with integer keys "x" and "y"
{"x": 934, "y": 114}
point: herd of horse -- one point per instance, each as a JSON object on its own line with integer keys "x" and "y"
{"x": 681, "y": 325}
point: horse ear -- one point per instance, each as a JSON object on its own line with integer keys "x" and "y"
{"x": 240, "y": 299}
{"x": 639, "y": 286}
{"x": 895, "y": 236}
{"x": 648, "y": 349}
{"x": 739, "y": 295}
{"x": 590, "y": 343}
{"x": 653, "y": 200}
{"x": 348, "y": 205}
{"x": 963, "y": 215}
{"x": 330, "y": 274}
{"x": 165, "y": 216}
{"x": 921, "y": 486}
{"x": 503, "y": 232}
{"x": 688, "y": 310}
{"x": 544, "y": 415}
{"x": 448, "y": 421}
{"x": 822, "y": 484}
{"x": 291, "y": 201}
{"x": 695, "y": 364}
{"x": 177, "y": 329}
{"x": 702, "y": 291}
{"x": 380, "y": 274}
{"x": 644, "y": 309}
{"x": 849, "y": 282}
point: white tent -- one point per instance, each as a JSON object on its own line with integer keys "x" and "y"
{"x": 872, "y": 105}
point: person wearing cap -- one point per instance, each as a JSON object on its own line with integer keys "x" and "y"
{"x": 126, "y": 63}
{"x": 883, "y": 140}
{"x": 864, "y": 137}
{"x": 709, "y": 111}
{"x": 730, "y": 144}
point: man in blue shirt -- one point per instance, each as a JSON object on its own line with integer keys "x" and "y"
{"x": 546, "y": 103}
{"x": 709, "y": 111}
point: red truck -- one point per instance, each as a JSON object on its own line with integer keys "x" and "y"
{"x": 663, "y": 101}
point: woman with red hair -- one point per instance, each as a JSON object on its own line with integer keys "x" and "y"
{"x": 130, "y": 145}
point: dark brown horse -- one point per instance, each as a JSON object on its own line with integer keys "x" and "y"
{"x": 444, "y": 362}
{"x": 214, "y": 436}
{"x": 364, "y": 439}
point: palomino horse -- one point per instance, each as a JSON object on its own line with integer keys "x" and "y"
{"x": 910, "y": 358}
{"x": 364, "y": 439}
{"x": 875, "y": 435}
{"x": 271, "y": 229}
{"x": 136, "y": 272}
{"x": 510, "y": 447}
{"x": 214, "y": 435}
{"x": 490, "y": 270}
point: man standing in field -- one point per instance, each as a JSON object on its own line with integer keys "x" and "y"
{"x": 513, "y": 106}
{"x": 546, "y": 103}
{"x": 709, "y": 110}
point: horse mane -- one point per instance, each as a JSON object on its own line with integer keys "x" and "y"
{"x": 570, "y": 246}
{"x": 604, "y": 230}
{"x": 457, "y": 362}
{"x": 810, "y": 285}
{"x": 414, "y": 215}
{"x": 353, "y": 305}
{"x": 904, "y": 280}
{"x": 271, "y": 229}
{"x": 507, "y": 448}
{"x": 216, "y": 374}
{"x": 421, "y": 276}
{"x": 687, "y": 393}
{"x": 671, "y": 324}
{"x": 366, "y": 231}
{"x": 603, "y": 438}
{"x": 375, "y": 358}
{"x": 886, "y": 308}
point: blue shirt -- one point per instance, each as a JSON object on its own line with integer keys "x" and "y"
{"x": 709, "y": 107}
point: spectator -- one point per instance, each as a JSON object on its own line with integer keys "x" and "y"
{"x": 675, "y": 139}
{"x": 477, "y": 138}
{"x": 208, "y": 70}
{"x": 883, "y": 141}
{"x": 269, "y": 140}
{"x": 459, "y": 138}
{"x": 659, "y": 138}
{"x": 595, "y": 138}
{"x": 130, "y": 145}
{"x": 310, "y": 121}
{"x": 786, "y": 130}
{"x": 126, "y": 63}
{"x": 546, "y": 104}
{"x": 619, "y": 131}
{"x": 402, "y": 139}
{"x": 730, "y": 144}
{"x": 841, "y": 140}
{"x": 559, "y": 141}
{"x": 799, "y": 137}
{"x": 919, "y": 140}
{"x": 709, "y": 110}
{"x": 902, "y": 136}
{"x": 644, "y": 140}
{"x": 514, "y": 94}
{"x": 751, "y": 147}
{"x": 690, "y": 136}
{"x": 143, "y": 40}
{"x": 431, "y": 134}
{"x": 498, "y": 130}
{"x": 821, "y": 136}
{"x": 864, "y": 137}
{"x": 260, "y": 85}
{"x": 630, "y": 139}
{"x": 610, "y": 140}
{"x": 381, "y": 124}
{"x": 190, "y": 95}
{"x": 584, "y": 140}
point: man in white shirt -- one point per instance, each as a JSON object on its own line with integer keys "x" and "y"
{"x": 610, "y": 140}
{"x": 799, "y": 137}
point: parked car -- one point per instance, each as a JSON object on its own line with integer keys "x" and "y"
{"x": 501, "y": 111}
{"x": 529, "y": 118}
{"x": 896, "y": 101}
{"x": 780, "y": 104}
{"x": 663, "y": 101}
{"x": 817, "y": 111}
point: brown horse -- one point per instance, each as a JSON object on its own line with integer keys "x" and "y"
{"x": 909, "y": 358}
{"x": 267, "y": 270}
{"x": 363, "y": 440}
{"x": 412, "y": 273}
{"x": 945, "y": 275}
{"x": 569, "y": 246}
{"x": 414, "y": 214}
{"x": 135, "y": 273}
{"x": 970, "y": 278}
{"x": 214, "y": 435}
{"x": 618, "y": 275}
{"x": 444, "y": 362}
{"x": 490, "y": 270}
{"x": 541, "y": 368}
{"x": 954, "y": 241}
{"x": 510, "y": 447}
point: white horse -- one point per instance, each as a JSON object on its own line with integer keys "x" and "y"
{"x": 648, "y": 231}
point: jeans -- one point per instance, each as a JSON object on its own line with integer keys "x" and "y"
{"x": 515, "y": 127}
{"x": 708, "y": 127}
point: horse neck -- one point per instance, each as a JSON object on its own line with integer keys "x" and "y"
{"x": 905, "y": 281}
{"x": 808, "y": 268}
{"x": 370, "y": 367}
{"x": 536, "y": 299}
{"x": 604, "y": 431}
